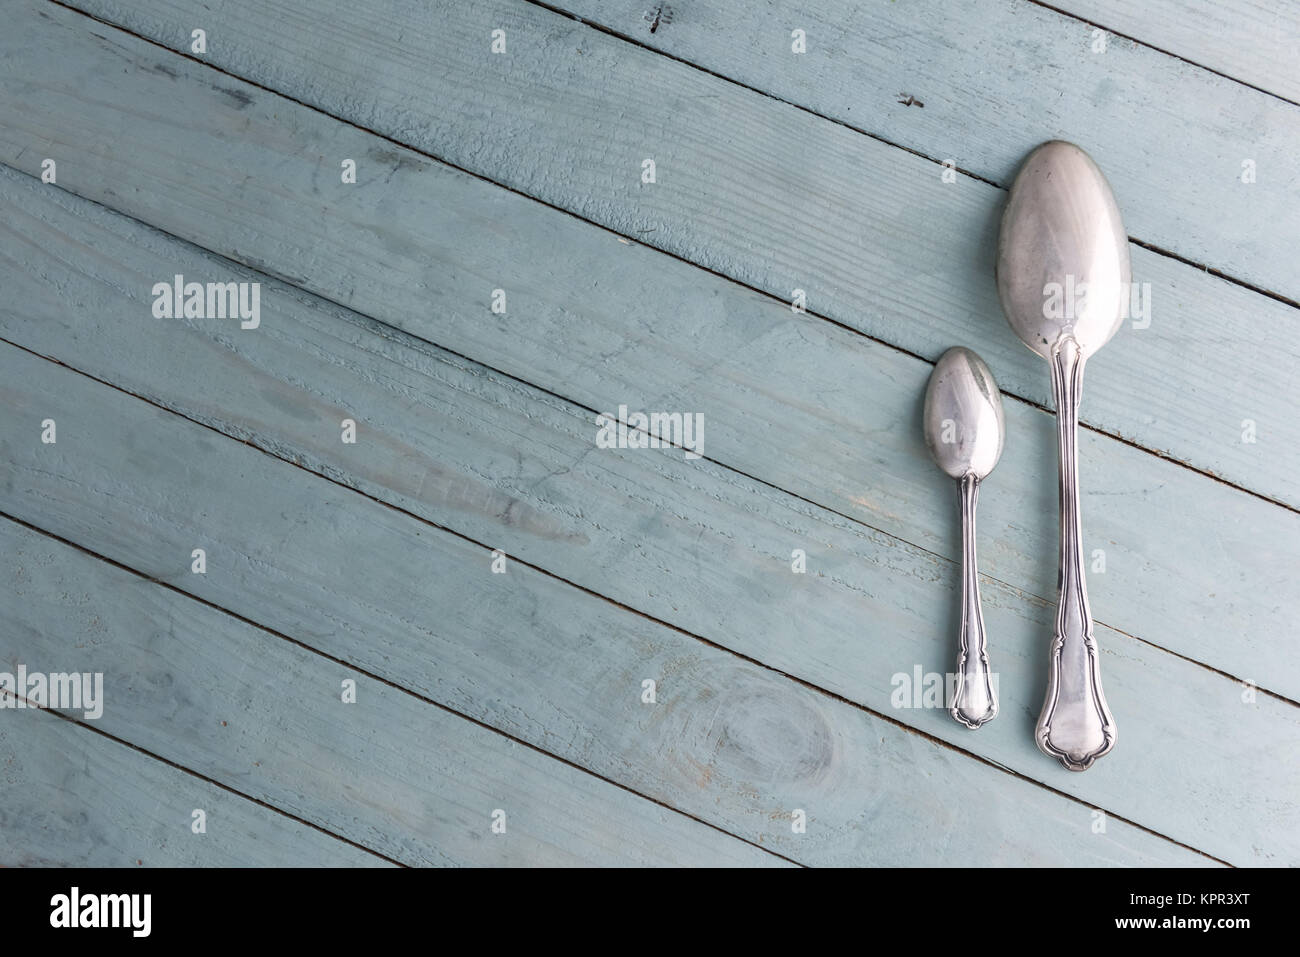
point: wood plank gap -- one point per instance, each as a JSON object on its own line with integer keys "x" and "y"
{"x": 1274, "y": 492}
{"x": 414, "y": 341}
{"x": 766, "y": 294}
{"x": 631, "y": 238}
{"x": 799, "y": 681}
{"x": 1150, "y": 247}
{"x": 263, "y": 269}
{"x": 627, "y": 38}
{"x": 1218, "y": 671}
{"x": 525, "y": 373}
{"x": 1157, "y": 49}
{"x": 410, "y": 339}
{"x": 816, "y": 689}
{"x": 167, "y": 761}
{"x": 379, "y": 678}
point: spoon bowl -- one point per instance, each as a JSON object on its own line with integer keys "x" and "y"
{"x": 1063, "y": 258}
{"x": 964, "y": 427}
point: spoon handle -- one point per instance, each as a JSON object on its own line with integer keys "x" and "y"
{"x": 1075, "y": 726}
{"x": 975, "y": 701}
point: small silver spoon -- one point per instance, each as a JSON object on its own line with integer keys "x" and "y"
{"x": 1063, "y": 277}
{"x": 964, "y": 430}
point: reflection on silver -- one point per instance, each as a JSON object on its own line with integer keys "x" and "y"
{"x": 1063, "y": 277}
{"x": 964, "y": 430}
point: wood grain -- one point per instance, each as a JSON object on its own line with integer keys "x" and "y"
{"x": 734, "y": 742}
{"x": 1254, "y": 41}
{"x": 260, "y": 714}
{"x": 793, "y": 401}
{"x": 136, "y": 486}
{"x": 70, "y": 797}
{"x": 872, "y": 235}
{"x": 983, "y": 84}
{"x": 688, "y": 542}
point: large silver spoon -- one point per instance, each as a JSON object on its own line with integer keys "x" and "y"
{"x": 1063, "y": 277}
{"x": 964, "y": 430}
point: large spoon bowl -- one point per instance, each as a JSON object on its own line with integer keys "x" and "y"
{"x": 1063, "y": 260}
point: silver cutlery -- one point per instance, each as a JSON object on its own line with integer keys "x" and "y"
{"x": 1063, "y": 278}
{"x": 964, "y": 430}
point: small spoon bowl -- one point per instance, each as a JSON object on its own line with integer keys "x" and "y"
{"x": 964, "y": 427}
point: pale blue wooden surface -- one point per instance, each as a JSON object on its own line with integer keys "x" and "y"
{"x": 425, "y": 244}
{"x": 236, "y": 704}
{"x": 437, "y": 428}
{"x": 871, "y": 232}
{"x": 430, "y": 459}
{"x": 525, "y": 689}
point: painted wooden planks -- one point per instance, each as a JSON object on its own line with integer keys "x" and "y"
{"x": 689, "y": 542}
{"x": 988, "y": 82}
{"x": 728, "y": 741}
{"x": 71, "y": 797}
{"x": 612, "y": 324}
{"x": 1254, "y": 41}
{"x": 265, "y": 716}
{"x": 907, "y": 260}
{"x": 736, "y": 191}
